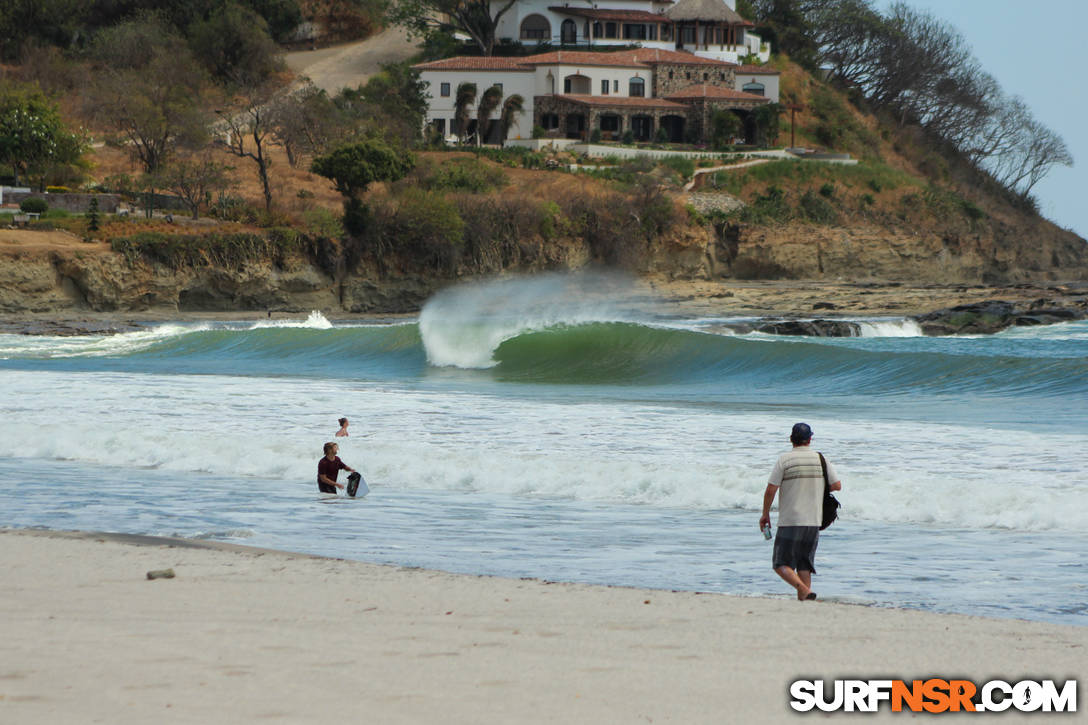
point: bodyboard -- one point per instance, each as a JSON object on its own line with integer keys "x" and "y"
{"x": 356, "y": 484}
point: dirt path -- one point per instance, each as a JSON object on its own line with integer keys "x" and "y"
{"x": 348, "y": 66}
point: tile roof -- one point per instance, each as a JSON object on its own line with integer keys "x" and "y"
{"x": 472, "y": 62}
{"x": 703, "y": 90}
{"x": 621, "y": 58}
{"x": 621, "y": 101}
{"x": 757, "y": 70}
{"x": 640, "y": 16}
{"x": 636, "y": 58}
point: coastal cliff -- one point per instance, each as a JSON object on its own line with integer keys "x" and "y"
{"x": 58, "y": 272}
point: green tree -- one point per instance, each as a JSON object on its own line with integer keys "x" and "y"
{"x": 512, "y": 107}
{"x": 489, "y": 101}
{"x": 724, "y": 126}
{"x": 354, "y": 167}
{"x": 462, "y": 107}
{"x": 476, "y": 18}
{"x": 150, "y": 88}
{"x": 32, "y": 134}
{"x": 234, "y": 45}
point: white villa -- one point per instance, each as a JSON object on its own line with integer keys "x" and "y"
{"x": 683, "y": 68}
{"x": 707, "y": 28}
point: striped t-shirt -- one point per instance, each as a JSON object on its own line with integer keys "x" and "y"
{"x": 801, "y": 496}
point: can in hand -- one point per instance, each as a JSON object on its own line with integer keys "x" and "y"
{"x": 767, "y": 532}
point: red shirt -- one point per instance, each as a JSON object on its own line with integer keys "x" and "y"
{"x": 329, "y": 468}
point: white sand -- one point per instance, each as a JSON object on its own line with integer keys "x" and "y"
{"x": 248, "y": 635}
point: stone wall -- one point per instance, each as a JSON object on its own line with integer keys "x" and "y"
{"x": 74, "y": 203}
{"x": 688, "y": 74}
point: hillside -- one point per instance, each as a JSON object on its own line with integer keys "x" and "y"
{"x": 902, "y": 215}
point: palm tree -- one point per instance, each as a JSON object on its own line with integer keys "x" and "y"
{"x": 511, "y": 108}
{"x": 488, "y": 103}
{"x": 462, "y": 108}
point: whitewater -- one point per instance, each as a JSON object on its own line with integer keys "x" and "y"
{"x": 573, "y": 429}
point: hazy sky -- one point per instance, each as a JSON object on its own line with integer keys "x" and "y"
{"x": 1039, "y": 51}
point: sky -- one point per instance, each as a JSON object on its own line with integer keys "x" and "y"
{"x": 1039, "y": 51}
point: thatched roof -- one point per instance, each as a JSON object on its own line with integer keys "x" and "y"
{"x": 705, "y": 10}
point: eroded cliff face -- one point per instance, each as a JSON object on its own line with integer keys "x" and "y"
{"x": 808, "y": 252}
{"x": 46, "y": 272}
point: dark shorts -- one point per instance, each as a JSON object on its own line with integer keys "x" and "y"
{"x": 795, "y": 547}
{"x": 325, "y": 488}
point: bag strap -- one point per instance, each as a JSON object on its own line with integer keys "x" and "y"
{"x": 823, "y": 465}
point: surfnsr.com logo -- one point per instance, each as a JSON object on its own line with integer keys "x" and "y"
{"x": 933, "y": 695}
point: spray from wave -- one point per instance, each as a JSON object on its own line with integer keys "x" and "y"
{"x": 463, "y": 326}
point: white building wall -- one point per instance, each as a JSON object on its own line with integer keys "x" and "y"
{"x": 442, "y": 107}
{"x": 770, "y": 83}
{"x": 596, "y": 75}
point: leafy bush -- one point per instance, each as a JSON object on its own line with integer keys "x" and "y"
{"x": 681, "y": 165}
{"x": 323, "y": 223}
{"x": 34, "y": 205}
{"x": 628, "y": 137}
{"x": 827, "y": 190}
{"x": 817, "y": 209}
{"x": 471, "y": 175}
{"x": 58, "y": 190}
{"x": 595, "y": 136}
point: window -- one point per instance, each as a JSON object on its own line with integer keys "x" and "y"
{"x": 445, "y": 90}
{"x": 566, "y": 84}
{"x": 634, "y": 32}
{"x": 754, "y": 88}
{"x": 536, "y": 27}
{"x": 439, "y": 126}
{"x": 568, "y": 32}
{"x": 615, "y": 86}
{"x": 651, "y": 32}
{"x": 604, "y": 87}
{"x": 637, "y": 88}
{"x": 610, "y": 30}
{"x": 688, "y": 34}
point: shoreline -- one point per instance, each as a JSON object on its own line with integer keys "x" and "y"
{"x": 243, "y": 634}
{"x": 792, "y": 299}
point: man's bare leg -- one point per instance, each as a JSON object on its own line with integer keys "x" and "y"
{"x": 795, "y": 580}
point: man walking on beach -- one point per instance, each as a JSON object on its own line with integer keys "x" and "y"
{"x": 800, "y": 510}
{"x": 328, "y": 468}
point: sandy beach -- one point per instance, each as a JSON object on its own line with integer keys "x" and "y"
{"x": 251, "y": 635}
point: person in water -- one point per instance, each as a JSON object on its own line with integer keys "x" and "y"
{"x": 343, "y": 432}
{"x": 329, "y": 467}
{"x": 800, "y": 510}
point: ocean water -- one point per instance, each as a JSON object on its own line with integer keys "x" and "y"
{"x": 574, "y": 429}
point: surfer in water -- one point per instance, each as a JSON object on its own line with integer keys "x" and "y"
{"x": 343, "y": 432}
{"x": 328, "y": 468}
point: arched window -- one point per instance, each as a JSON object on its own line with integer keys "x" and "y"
{"x": 577, "y": 84}
{"x": 568, "y": 32}
{"x": 754, "y": 88}
{"x": 536, "y": 27}
{"x": 636, "y": 88}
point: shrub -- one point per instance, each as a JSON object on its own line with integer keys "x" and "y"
{"x": 662, "y": 136}
{"x": 628, "y": 137}
{"x": 471, "y": 175}
{"x": 827, "y": 190}
{"x": 58, "y": 190}
{"x": 595, "y": 136}
{"x": 817, "y": 209}
{"x": 34, "y": 205}
{"x": 323, "y": 223}
{"x": 681, "y": 165}
{"x": 539, "y": 132}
